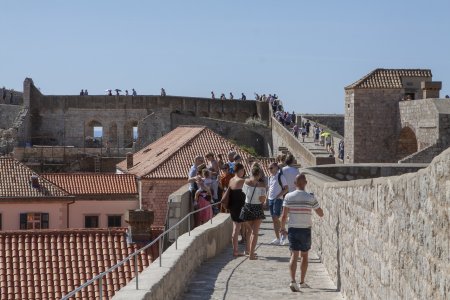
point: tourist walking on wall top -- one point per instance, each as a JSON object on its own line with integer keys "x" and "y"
{"x": 3, "y": 94}
{"x": 231, "y": 96}
{"x": 236, "y": 202}
{"x": 213, "y": 97}
{"x": 298, "y": 206}
{"x": 290, "y": 172}
{"x": 82, "y": 93}
{"x": 126, "y": 92}
{"x": 252, "y": 212}
{"x": 134, "y": 92}
{"x": 163, "y": 92}
{"x": 307, "y": 126}
{"x": 277, "y": 189}
{"x": 86, "y": 92}
{"x": 243, "y": 97}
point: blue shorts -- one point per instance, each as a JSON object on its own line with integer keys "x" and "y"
{"x": 275, "y": 207}
{"x": 299, "y": 239}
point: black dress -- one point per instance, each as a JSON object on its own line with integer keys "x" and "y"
{"x": 237, "y": 200}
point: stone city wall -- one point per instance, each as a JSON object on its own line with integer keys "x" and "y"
{"x": 365, "y": 171}
{"x": 69, "y": 120}
{"x": 386, "y": 238}
{"x": 283, "y": 138}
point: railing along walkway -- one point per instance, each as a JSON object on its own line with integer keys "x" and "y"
{"x": 100, "y": 277}
{"x": 225, "y": 277}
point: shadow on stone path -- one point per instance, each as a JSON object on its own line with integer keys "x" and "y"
{"x": 224, "y": 277}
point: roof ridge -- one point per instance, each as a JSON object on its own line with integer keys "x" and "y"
{"x": 195, "y": 136}
{"x": 388, "y": 77}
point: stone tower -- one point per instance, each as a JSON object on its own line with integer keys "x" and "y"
{"x": 372, "y": 120}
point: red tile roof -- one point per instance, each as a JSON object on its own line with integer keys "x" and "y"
{"x": 15, "y": 182}
{"x": 94, "y": 184}
{"x": 388, "y": 78}
{"x": 48, "y": 264}
{"x": 172, "y": 155}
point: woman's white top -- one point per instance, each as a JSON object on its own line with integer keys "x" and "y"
{"x": 248, "y": 191}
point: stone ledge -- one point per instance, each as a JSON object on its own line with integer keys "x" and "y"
{"x": 168, "y": 281}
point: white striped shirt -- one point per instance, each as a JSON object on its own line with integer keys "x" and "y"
{"x": 300, "y": 204}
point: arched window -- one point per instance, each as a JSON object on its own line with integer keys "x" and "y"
{"x": 130, "y": 133}
{"x": 94, "y": 134}
{"x": 407, "y": 143}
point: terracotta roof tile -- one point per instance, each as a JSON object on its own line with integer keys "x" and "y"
{"x": 28, "y": 274}
{"x": 172, "y": 155}
{"x": 388, "y": 78}
{"x": 94, "y": 184}
{"x": 15, "y": 182}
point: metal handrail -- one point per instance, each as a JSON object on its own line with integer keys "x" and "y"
{"x": 135, "y": 253}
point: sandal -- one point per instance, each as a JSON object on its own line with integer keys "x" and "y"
{"x": 253, "y": 257}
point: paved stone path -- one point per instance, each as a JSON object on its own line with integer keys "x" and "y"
{"x": 224, "y": 277}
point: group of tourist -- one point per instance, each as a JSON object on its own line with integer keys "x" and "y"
{"x": 245, "y": 197}
{"x": 223, "y": 97}
{"x": 4, "y": 95}
{"x": 84, "y": 93}
{"x": 118, "y": 91}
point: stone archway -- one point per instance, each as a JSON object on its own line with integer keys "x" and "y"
{"x": 407, "y": 143}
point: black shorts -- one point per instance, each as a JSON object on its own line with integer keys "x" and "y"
{"x": 299, "y": 239}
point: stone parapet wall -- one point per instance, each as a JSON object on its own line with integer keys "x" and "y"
{"x": 387, "y": 238}
{"x": 425, "y": 155}
{"x": 169, "y": 281}
{"x": 365, "y": 171}
{"x": 283, "y": 138}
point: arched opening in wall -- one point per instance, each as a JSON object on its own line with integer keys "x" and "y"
{"x": 94, "y": 134}
{"x": 112, "y": 140}
{"x": 129, "y": 132}
{"x": 407, "y": 143}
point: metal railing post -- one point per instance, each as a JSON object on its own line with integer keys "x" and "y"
{"x": 100, "y": 286}
{"x": 160, "y": 252}
{"x": 176, "y": 238}
{"x": 136, "y": 273}
{"x": 189, "y": 225}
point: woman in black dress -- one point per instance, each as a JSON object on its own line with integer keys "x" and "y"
{"x": 237, "y": 200}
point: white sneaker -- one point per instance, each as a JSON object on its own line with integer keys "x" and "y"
{"x": 294, "y": 287}
{"x": 304, "y": 285}
{"x": 275, "y": 242}
{"x": 283, "y": 241}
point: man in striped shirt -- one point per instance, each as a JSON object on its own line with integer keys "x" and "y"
{"x": 298, "y": 206}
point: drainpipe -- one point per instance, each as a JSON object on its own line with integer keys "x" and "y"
{"x": 73, "y": 201}
{"x": 140, "y": 192}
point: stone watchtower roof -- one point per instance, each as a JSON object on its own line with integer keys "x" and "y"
{"x": 387, "y": 78}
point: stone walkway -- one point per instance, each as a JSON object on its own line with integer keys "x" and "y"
{"x": 225, "y": 277}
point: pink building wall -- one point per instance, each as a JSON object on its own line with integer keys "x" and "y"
{"x": 11, "y": 213}
{"x": 57, "y": 211}
{"x": 101, "y": 208}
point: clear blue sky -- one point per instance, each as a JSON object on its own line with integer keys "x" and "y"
{"x": 304, "y": 51}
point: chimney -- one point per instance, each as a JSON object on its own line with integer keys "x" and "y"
{"x": 129, "y": 160}
{"x": 431, "y": 89}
